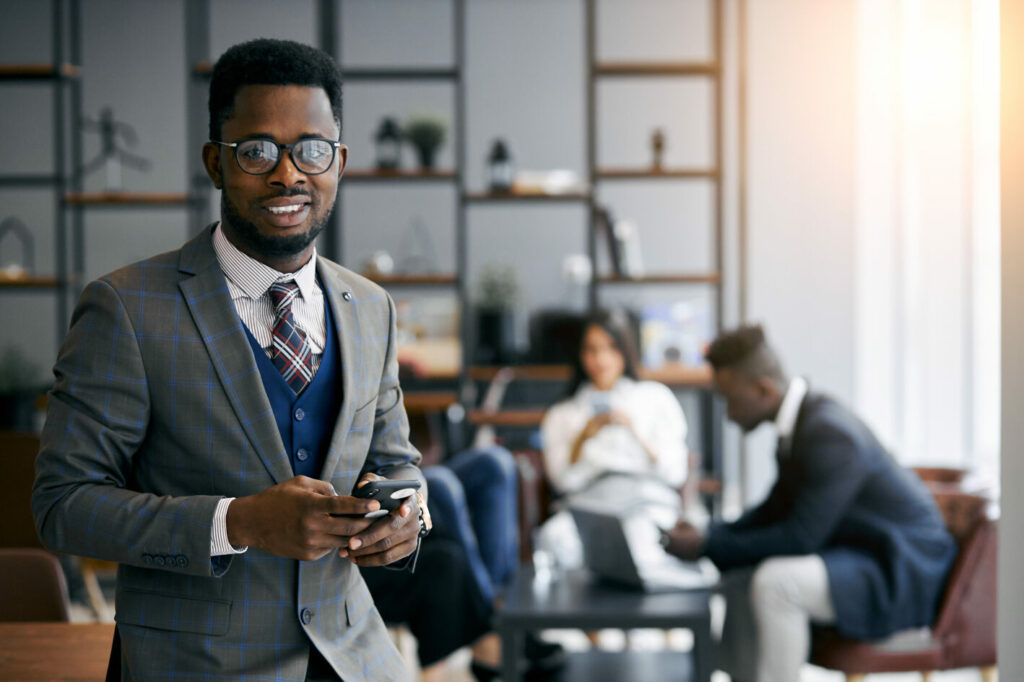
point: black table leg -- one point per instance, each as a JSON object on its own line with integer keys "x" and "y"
{"x": 511, "y": 647}
{"x": 703, "y": 651}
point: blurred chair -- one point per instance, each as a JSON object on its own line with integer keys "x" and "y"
{"x": 964, "y": 634}
{"x": 17, "y": 472}
{"x": 33, "y": 588}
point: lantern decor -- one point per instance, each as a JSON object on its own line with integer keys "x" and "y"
{"x": 500, "y": 170}
{"x": 14, "y": 270}
{"x": 388, "y": 144}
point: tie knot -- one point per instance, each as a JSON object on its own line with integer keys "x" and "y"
{"x": 282, "y": 294}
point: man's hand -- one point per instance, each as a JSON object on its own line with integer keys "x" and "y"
{"x": 684, "y": 541}
{"x": 390, "y": 538}
{"x": 293, "y": 519}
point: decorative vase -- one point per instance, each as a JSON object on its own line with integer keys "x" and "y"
{"x": 426, "y": 154}
{"x": 495, "y": 340}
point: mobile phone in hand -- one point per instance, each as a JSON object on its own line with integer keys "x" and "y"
{"x": 389, "y": 493}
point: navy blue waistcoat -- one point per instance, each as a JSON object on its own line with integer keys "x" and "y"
{"x": 306, "y": 421}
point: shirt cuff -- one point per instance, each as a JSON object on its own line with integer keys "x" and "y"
{"x": 219, "y": 544}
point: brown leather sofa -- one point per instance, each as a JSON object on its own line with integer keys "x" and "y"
{"x": 964, "y": 634}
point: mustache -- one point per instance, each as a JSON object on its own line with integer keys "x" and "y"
{"x": 288, "y": 192}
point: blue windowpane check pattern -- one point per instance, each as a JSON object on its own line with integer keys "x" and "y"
{"x": 291, "y": 353}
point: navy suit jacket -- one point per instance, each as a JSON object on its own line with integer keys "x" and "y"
{"x": 839, "y": 494}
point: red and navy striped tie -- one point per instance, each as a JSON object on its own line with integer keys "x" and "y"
{"x": 290, "y": 352}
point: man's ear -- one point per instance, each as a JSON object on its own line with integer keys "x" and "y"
{"x": 211, "y": 162}
{"x": 766, "y": 388}
{"x": 342, "y": 159}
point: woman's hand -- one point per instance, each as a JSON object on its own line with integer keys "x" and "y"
{"x": 595, "y": 424}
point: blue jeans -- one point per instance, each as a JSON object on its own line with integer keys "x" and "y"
{"x": 473, "y": 501}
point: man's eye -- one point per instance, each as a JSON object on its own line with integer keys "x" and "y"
{"x": 254, "y": 153}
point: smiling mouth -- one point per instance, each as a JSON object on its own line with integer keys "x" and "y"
{"x": 283, "y": 210}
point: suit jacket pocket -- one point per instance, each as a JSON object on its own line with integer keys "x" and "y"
{"x": 172, "y": 612}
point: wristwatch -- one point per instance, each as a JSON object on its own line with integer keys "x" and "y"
{"x": 426, "y": 525}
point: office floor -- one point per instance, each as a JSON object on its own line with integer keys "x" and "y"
{"x": 650, "y": 640}
{"x": 611, "y": 640}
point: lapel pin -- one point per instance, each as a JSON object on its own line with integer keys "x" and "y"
{"x": 347, "y": 295}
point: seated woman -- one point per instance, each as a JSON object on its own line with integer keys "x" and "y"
{"x": 613, "y": 438}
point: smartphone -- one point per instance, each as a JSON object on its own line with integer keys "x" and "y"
{"x": 389, "y": 493}
{"x": 601, "y": 402}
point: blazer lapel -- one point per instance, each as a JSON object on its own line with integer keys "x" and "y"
{"x": 208, "y": 300}
{"x": 335, "y": 289}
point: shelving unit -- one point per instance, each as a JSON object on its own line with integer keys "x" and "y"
{"x": 454, "y": 385}
{"x": 679, "y": 376}
{"x": 61, "y": 75}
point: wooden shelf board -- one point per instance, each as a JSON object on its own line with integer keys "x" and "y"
{"x": 28, "y": 282}
{"x": 525, "y": 196}
{"x": 125, "y": 198}
{"x": 41, "y": 71}
{"x": 400, "y": 175}
{"x": 525, "y": 372}
{"x": 656, "y": 68}
{"x": 419, "y": 402}
{"x": 526, "y": 417}
{"x": 672, "y": 375}
{"x": 414, "y": 280}
{"x": 707, "y": 278}
{"x": 679, "y": 375}
{"x": 667, "y": 173}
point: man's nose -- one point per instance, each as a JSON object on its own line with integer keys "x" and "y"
{"x": 286, "y": 173}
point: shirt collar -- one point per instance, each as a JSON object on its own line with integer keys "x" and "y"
{"x": 254, "y": 277}
{"x": 785, "y": 420}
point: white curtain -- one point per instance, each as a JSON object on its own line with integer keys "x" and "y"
{"x": 927, "y": 229}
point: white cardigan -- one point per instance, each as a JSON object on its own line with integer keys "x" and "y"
{"x": 656, "y": 416}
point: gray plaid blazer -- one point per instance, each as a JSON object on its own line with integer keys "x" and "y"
{"x": 157, "y": 413}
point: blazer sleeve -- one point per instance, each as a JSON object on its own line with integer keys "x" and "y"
{"x": 390, "y": 453}
{"x": 96, "y": 422}
{"x": 833, "y": 475}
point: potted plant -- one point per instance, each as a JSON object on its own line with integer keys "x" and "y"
{"x": 21, "y": 384}
{"x": 426, "y": 133}
{"x": 497, "y": 298}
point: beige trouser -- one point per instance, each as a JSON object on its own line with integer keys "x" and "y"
{"x": 766, "y": 634}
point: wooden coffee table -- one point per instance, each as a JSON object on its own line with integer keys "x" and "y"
{"x": 55, "y": 651}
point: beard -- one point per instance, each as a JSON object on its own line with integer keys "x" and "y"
{"x": 264, "y": 245}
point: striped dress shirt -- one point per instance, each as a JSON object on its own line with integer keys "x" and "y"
{"x": 248, "y": 283}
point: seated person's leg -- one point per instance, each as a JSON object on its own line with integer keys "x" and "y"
{"x": 440, "y": 603}
{"x": 786, "y": 593}
{"x": 449, "y": 511}
{"x": 490, "y": 481}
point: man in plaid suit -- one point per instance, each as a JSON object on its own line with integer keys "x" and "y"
{"x": 215, "y": 406}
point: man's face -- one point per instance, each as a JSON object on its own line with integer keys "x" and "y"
{"x": 276, "y": 216}
{"x": 748, "y": 401}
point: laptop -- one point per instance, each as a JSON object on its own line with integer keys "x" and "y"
{"x": 624, "y": 548}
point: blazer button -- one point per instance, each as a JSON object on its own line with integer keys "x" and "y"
{"x": 347, "y": 295}
{"x": 147, "y": 559}
{"x": 160, "y": 561}
{"x": 306, "y": 616}
{"x": 182, "y": 561}
{"x": 300, "y": 414}
{"x": 302, "y": 455}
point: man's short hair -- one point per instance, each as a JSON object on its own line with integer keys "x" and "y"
{"x": 745, "y": 349}
{"x": 266, "y": 61}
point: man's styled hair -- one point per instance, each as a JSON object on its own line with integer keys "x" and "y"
{"x": 270, "y": 62}
{"x": 746, "y": 350}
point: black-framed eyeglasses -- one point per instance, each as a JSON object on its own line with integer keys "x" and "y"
{"x": 259, "y": 156}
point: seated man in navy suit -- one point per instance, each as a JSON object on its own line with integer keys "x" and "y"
{"x": 846, "y": 536}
